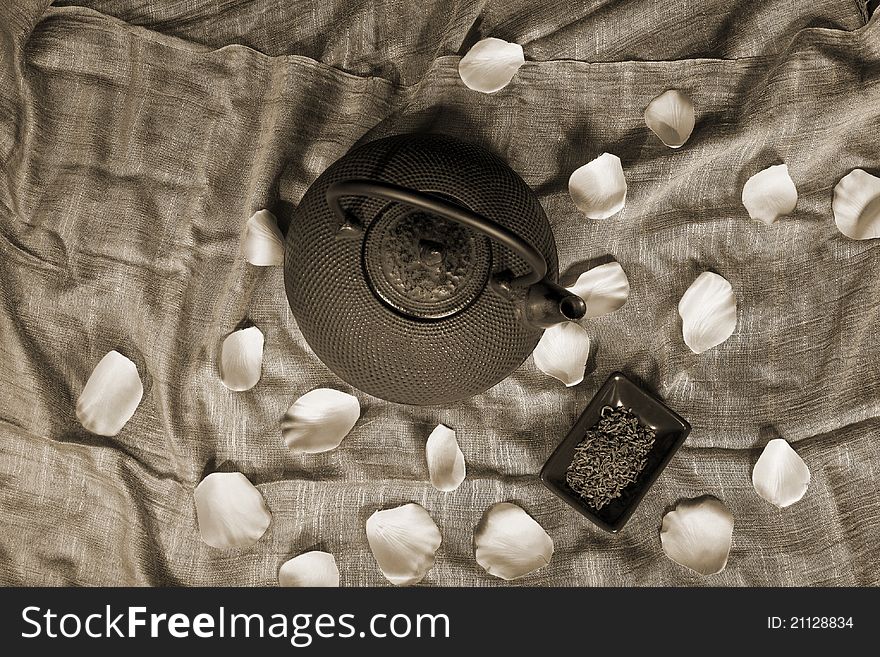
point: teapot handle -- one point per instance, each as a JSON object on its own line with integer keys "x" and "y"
{"x": 439, "y": 206}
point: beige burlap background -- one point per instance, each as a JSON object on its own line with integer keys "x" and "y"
{"x": 136, "y": 140}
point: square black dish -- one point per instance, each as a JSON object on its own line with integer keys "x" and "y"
{"x": 670, "y": 429}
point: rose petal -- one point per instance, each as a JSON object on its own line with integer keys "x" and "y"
{"x": 231, "y": 512}
{"x": 241, "y": 359}
{"x": 598, "y": 188}
{"x": 697, "y": 534}
{"x": 769, "y": 194}
{"x": 856, "y": 205}
{"x": 319, "y": 420}
{"x": 490, "y": 65}
{"x": 604, "y": 289}
{"x": 780, "y": 476}
{"x": 510, "y": 543}
{"x": 403, "y": 541}
{"x": 310, "y": 569}
{"x": 708, "y": 312}
{"x": 670, "y": 116}
{"x": 445, "y": 460}
{"x": 110, "y": 396}
{"x": 263, "y": 242}
{"x": 562, "y": 352}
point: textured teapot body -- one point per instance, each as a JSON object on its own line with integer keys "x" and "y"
{"x": 405, "y": 265}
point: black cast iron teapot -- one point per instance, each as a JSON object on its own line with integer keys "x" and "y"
{"x": 422, "y": 269}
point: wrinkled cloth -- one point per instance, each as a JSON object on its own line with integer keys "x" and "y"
{"x": 136, "y": 140}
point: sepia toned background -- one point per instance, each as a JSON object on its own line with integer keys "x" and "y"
{"x": 136, "y": 138}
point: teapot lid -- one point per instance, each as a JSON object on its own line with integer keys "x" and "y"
{"x": 424, "y": 266}
{"x": 397, "y": 301}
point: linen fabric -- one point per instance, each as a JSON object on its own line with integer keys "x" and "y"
{"x": 136, "y": 139}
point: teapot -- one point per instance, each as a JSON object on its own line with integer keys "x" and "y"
{"x": 421, "y": 269}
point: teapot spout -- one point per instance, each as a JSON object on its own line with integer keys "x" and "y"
{"x": 547, "y": 304}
